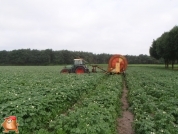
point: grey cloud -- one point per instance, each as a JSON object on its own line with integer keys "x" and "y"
{"x": 98, "y": 26}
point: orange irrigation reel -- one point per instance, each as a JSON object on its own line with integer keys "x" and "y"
{"x": 117, "y": 64}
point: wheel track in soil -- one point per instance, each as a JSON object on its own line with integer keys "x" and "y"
{"x": 125, "y": 122}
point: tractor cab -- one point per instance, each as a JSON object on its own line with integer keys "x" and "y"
{"x": 79, "y": 62}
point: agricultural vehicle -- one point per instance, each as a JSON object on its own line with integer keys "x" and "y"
{"x": 78, "y": 67}
{"x": 117, "y": 64}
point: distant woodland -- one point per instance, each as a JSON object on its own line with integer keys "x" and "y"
{"x": 64, "y": 57}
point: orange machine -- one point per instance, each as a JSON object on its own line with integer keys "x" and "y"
{"x": 117, "y": 64}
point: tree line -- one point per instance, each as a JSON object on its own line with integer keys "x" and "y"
{"x": 63, "y": 57}
{"x": 166, "y": 47}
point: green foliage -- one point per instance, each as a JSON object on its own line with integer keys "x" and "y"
{"x": 46, "y": 101}
{"x": 153, "y": 99}
{"x": 96, "y": 113}
{"x": 166, "y": 47}
{"x": 62, "y": 57}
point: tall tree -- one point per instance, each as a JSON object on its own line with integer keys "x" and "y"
{"x": 173, "y": 45}
{"x": 153, "y": 50}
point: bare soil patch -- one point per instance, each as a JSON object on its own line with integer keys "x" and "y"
{"x": 125, "y": 122}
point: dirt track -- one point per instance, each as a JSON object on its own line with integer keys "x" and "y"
{"x": 125, "y": 122}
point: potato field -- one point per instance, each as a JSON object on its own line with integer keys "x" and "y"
{"x": 47, "y": 102}
{"x": 153, "y": 98}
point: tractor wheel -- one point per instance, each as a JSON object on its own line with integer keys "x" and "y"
{"x": 80, "y": 70}
{"x": 64, "y": 71}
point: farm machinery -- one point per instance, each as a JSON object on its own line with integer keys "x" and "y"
{"x": 117, "y": 64}
{"x": 78, "y": 67}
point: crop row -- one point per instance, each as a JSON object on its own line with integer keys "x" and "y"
{"x": 153, "y": 98}
{"x": 45, "y": 101}
{"x": 36, "y": 95}
{"x": 96, "y": 113}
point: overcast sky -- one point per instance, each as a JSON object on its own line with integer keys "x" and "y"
{"x": 98, "y": 26}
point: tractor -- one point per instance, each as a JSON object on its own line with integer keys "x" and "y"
{"x": 117, "y": 65}
{"x": 78, "y": 67}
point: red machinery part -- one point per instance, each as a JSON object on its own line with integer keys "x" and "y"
{"x": 64, "y": 71}
{"x": 80, "y": 70}
{"x": 117, "y": 59}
